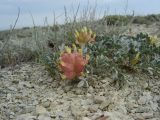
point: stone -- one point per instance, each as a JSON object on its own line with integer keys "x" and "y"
{"x": 93, "y": 108}
{"x": 145, "y": 85}
{"x": 46, "y": 104}
{"x": 60, "y": 114}
{"x": 12, "y": 88}
{"x": 117, "y": 116}
{"x": 90, "y": 89}
{"x": 85, "y": 118}
{"x": 44, "y": 117}
{"x": 9, "y": 96}
{"x": 102, "y": 118}
{"x": 27, "y": 116}
{"x": 75, "y": 110}
{"x": 41, "y": 110}
{"x": 148, "y": 115}
{"x": 154, "y": 119}
{"x": 154, "y": 105}
{"x": 105, "y": 104}
{"x": 156, "y": 77}
{"x": 142, "y": 109}
{"x": 29, "y": 109}
{"x": 148, "y": 96}
{"x": 78, "y": 92}
{"x": 96, "y": 115}
{"x": 131, "y": 105}
{"x": 99, "y": 99}
{"x": 142, "y": 100}
{"x": 12, "y": 115}
{"x": 88, "y": 95}
{"x": 35, "y": 102}
{"x": 138, "y": 117}
{"x": 67, "y": 88}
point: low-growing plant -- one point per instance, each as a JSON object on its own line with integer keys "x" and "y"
{"x": 70, "y": 61}
{"x": 104, "y": 55}
{"x": 50, "y": 60}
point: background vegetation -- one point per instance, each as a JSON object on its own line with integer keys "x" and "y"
{"x": 112, "y": 49}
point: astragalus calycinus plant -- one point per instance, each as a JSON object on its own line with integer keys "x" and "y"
{"x": 73, "y": 59}
{"x": 89, "y": 55}
{"x": 72, "y": 63}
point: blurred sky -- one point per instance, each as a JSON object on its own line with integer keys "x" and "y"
{"x": 41, "y": 9}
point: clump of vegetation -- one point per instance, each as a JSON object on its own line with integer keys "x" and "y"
{"x": 74, "y": 52}
{"x": 117, "y": 19}
{"x": 149, "y": 19}
{"x": 105, "y": 55}
{"x": 72, "y": 58}
{"x": 124, "y": 20}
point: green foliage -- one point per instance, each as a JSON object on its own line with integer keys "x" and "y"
{"x": 50, "y": 60}
{"x": 117, "y": 19}
{"x": 116, "y": 51}
{"x": 124, "y": 20}
{"x": 146, "y": 19}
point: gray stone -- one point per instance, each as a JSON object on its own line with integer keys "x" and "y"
{"x": 99, "y": 99}
{"x": 25, "y": 117}
{"x": 145, "y": 85}
{"x": 75, "y": 110}
{"x": 44, "y": 117}
{"x": 93, "y": 108}
{"x": 12, "y": 88}
{"x": 90, "y": 89}
{"x": 41, "y": 110}
{"x": 117, "y": 116}
{"x": 138, "y": 117}
{"x": 30, "y": 109}
{"x": 46, "y": 104}
{"x": 104, "y": 104}
{"x": 141, "y": 109}
{"x": 85, "y": 118}
{"x": 142, "y": 100}
{"x": 12, "y": 115}
{"x": 78, "y": 91}
{"x": 9, "y": 96}
{"x": 147, "y": 115}
{"x": 154, "y": 105}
